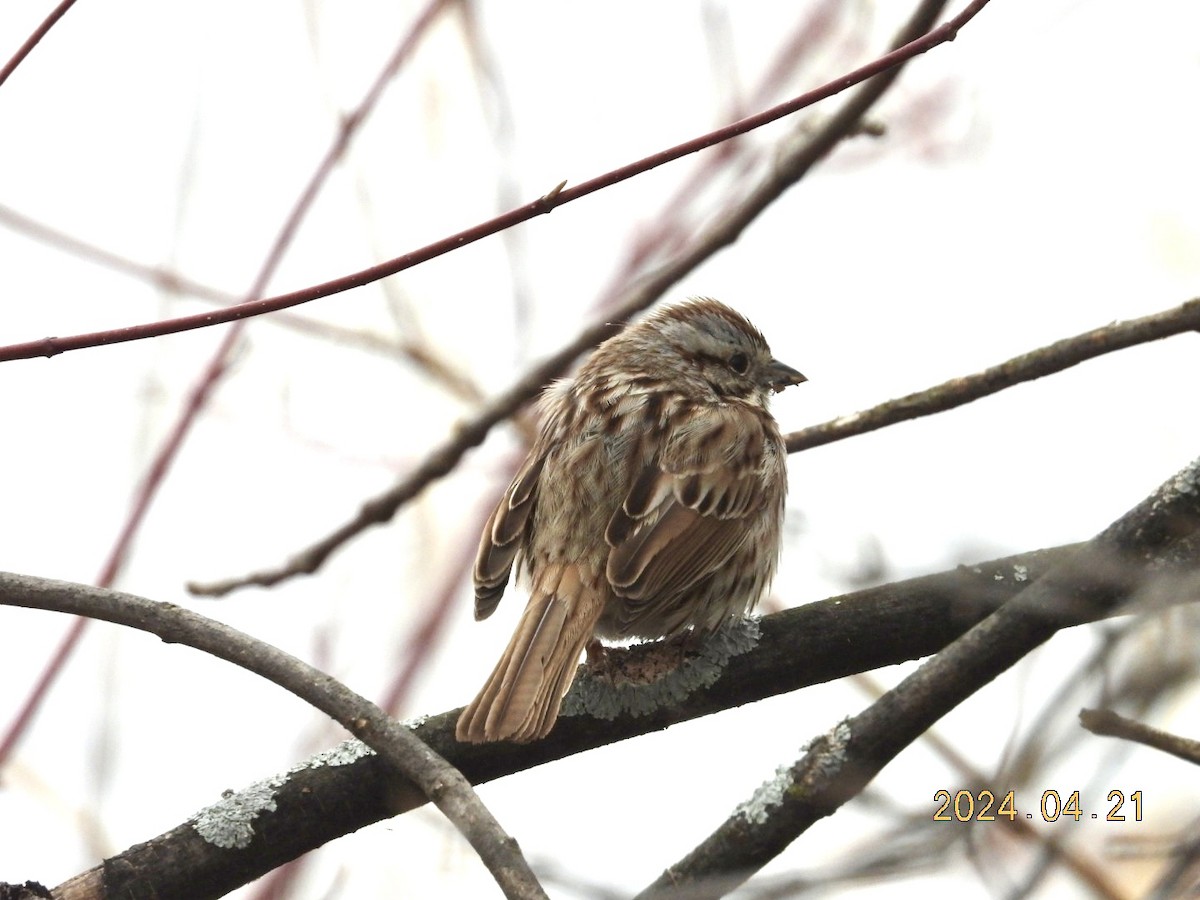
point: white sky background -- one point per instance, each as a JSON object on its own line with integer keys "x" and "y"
{"x": 1051, "y": 189}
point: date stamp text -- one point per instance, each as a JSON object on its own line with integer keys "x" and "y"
{"x": 985, "y": 806}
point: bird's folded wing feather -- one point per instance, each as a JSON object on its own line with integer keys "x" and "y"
{"x": 684, "y": 515}
{"x": 501, "y": 537}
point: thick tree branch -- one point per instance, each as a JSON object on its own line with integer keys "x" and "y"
{"x": 807, "y": 645}
{"x": 396, "y": 743}
{"x": 795, "y": 159}
{"x": 1133, "y": 558}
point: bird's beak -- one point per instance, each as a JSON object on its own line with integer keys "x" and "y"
{"x": 781, "y": 375}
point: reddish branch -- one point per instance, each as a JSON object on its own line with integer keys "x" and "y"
{"x": 32, "y": 41}
{"x": 557, "y": 196}
{"x": 215, "y": 369}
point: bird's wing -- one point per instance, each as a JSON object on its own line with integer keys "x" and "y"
{"x": 502, "y": 535}
{"x": 686, "y": 511}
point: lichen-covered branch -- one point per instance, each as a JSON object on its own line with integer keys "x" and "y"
{"x": 396, "y": 743}
{"x": 1138, "y": 558}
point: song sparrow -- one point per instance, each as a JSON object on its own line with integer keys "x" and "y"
{"x": 651, "y": 502}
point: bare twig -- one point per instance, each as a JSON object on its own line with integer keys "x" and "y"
{"x": 1027, "y": 367}
{"x": 669, "y": 228}
{"x": 34, "y": 39}
{"x": 146, "y": 490}
{"x": 1107, "y": 722}
{"x": 50, "y": 346}
{"x": 37, "y": 694}
{"x": 422, "y": 356}
{"x": 444, "y": 785}
{"x": 161, "y": 277}
{"x": 1104, "y": 572}
{"x": 796, "y": 159}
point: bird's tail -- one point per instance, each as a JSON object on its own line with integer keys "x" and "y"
{"x": 521, "y": 698}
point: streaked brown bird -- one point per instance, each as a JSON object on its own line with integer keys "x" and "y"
{"x": 650, "y": 503}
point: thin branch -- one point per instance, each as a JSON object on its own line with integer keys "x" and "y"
{"x": 810, "y": 644}
{"x": 41, "y": 688}
{"x": 444, "y": 785}
{"x": 34, "y": 39}
{"x": 795, "y": 159}
{"x": 1092, "y": 582}
{"x": 163, "y": 278}
{"x": 348, "y": 127}
{"x": 1036, "y": 364}
{"x": 956, "y": 392}
{"x": 557, "y": 196}
{"x": 423, "y": 357}
{"x": 1107, "y": 722}
{"x": 212, "y": 374}
{"x": 668, "y": 229}
{"x": 146, "y": 491}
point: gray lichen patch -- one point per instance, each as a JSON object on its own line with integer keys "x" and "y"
{"x": 229, "y": 822}
{"x": 1185, "y": 482}
{"x": 342, "y": 755}
{"x": 830, "y": 753}
{"x": 768, "y": 795}
{"x": 604, "y": 698}
{"x": 824, "y": 758}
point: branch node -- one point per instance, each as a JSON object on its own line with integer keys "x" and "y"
{"x": 548, "y": 198}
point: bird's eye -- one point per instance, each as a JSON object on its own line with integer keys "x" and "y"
{"x": 739, "y": 362}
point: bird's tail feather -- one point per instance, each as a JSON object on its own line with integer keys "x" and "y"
{"x": 522, "y": 697}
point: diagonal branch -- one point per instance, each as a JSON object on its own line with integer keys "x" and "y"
{"x": 1090, "y": 583}
{"x": 957, "y": 392}
{"x": 443, "y": 784}
{"x": 795, "y": 159}
{"x": 34, "y": 39}
{"x": 1107, "y": 722}
{"x": 209, "y": 377}
{"x": 1030, "y": 366}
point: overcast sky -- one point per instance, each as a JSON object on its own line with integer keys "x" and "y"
{"x": 1036, "y": 178}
